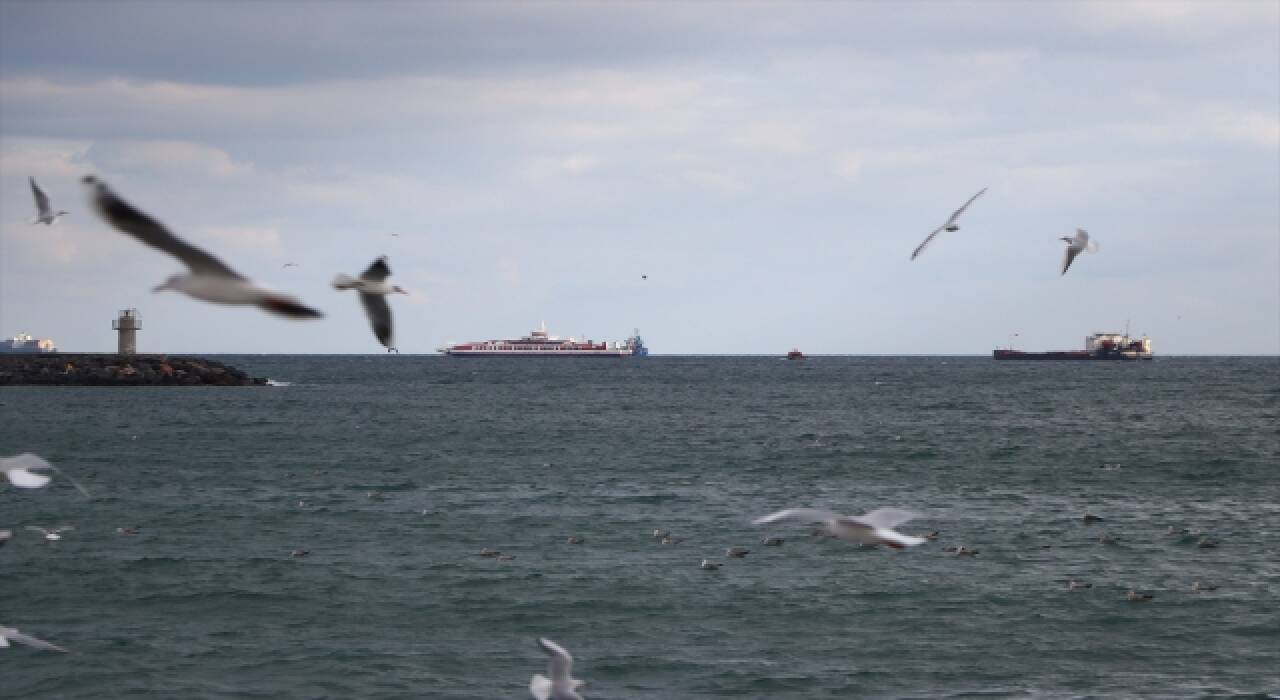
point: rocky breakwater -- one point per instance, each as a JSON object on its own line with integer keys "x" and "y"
{"x": 114, "y": 370}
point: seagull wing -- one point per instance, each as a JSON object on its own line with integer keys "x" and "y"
{"x": 379, "y": 313}
{"x": 814, "y": 515}
{"x": 926, "y": 242}
{"x": 125, "y": 217}
{"x": 960, "y": 211}
{"x": 886, "y": 518}
{"x": 1068, "y": 256}
{"x": 378, "y": 271}
{"x": 561, "y": 664}
{"x": 42, "y": 199}
{"x": 1082, "y": 237}
{"x": 30, "y": 641}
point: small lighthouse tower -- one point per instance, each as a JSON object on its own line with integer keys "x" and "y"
{"x": 128, "y": 325}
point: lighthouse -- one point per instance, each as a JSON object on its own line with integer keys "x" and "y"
{"x": 127, "y": 325}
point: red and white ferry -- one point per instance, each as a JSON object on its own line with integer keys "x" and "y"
{"x": 539, "y": 344}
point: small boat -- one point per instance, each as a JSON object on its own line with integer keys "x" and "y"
{"x": 795, "y": 355}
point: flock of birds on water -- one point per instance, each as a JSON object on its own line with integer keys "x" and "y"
{"x": 870, "y": 531}
{"x": 209, "y": 279}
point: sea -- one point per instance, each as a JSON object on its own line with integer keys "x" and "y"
{"x": 394, "y": 472}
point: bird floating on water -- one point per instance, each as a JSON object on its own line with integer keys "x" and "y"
{"x": 772, "y": 541}
{"x": 1075, "y": 246}
{"x": 44, "y": 212}
{"x": 951, "y": 224}
{"x": 208, "y": 279}
{"x": 875, "y": 527}
{"x": 737, "y": 552}
{"x": 373, "y": 288}
{"x": 19, "y": 471}
{"x": 1075, "y": 585}
{"x": 1136, "y": 597}
{"x": 710, "y": 565}
{"x": 561, "y": 685}
{"x": 11, "y": 634}
{"x": 1199, "y": 587}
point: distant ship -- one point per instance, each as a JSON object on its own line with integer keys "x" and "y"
{"x": 1099, "y": 346}
{"x": 795, "y": 354}
{"x": 25, "y": 343}
{"x": 539, "y": 344}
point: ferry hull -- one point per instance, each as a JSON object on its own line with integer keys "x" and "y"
{"x": 1068, "y": 355}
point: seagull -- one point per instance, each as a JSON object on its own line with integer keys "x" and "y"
{"x": 288, "y": 265}
{"x": 575, "y": 540}
{"x": 1075, "y": 585}
{"x": 710, "y": 565}
{"x": 10, "y": 634}
{"x": 951, "y": 224}
{"x": 875, "y": 527}
{"x": 737, "y": 552}
{"x": 1075, "y": 246}
{"x": 18, "y": 470}
{"x": 373, "y": 290}
{"x": 772, "y": 541}
{"x": 1137, "y": 597}
{"x": 1203, "y": 587}
{"x": 660, "y": 533}
{"x": 44, "y": 213}
{"x": 51, "y": 534}
{"x": 209, "y": 278}
{"x": 560, "y": 686}
{"x": 5, "y": 536}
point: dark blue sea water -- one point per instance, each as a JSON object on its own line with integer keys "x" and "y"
{"x": 393, "y": 600}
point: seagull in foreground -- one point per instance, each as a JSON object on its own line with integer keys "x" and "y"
{"x": 19, "y": 472}
{"x": 44, "y": 213}
{"x": 951, "y": 224}
{"x": 51, "y": 533}
{"x": 209, "y": 278}
{"x": 875, "y": 527}
{"x": 560, "y": 686}
{"x": 374, "y": 289}
{"x": 10, "y": 634}
{"x": 1075, "y": 246}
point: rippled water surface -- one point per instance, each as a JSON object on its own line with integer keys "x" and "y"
{"x": 393, "y": 600}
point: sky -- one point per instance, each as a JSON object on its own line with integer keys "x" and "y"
{"x": 768, "y": 166}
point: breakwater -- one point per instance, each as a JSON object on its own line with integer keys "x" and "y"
{"x": 76, "y": 369}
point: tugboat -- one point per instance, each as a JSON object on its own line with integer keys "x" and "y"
{"x": 795, "y": 354}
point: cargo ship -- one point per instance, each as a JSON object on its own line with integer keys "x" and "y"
{"x": 25, "y": 343}
{"x": 539, "y": 344}
{"x": 1099, "y": 346}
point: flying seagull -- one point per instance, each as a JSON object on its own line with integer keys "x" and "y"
{"x": 19, "y": 472}
{"x": 53, "y": 533}
{"x": 560, "y": 686}
{"x": 951, "y": 224}
{"x": 374, "y": 289}
{"x": 10, "y": 634}
{"x": 209, "y": 278}
{"x": 287, "y": 265}
{"x": 1075, "y": 246}
{"x": 875, "y": 527}
{"x": 44, "y": 213}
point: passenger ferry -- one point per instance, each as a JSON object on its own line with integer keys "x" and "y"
{"x": 540, "y": 344}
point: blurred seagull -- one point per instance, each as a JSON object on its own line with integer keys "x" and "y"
{"x": 560, "y": 686}
{"x": 1075, "y": 246}
{"x": 10, "y": 634}
{"x": 18, "y": 470}
{"x": 209, "y": 278}
{"x": 951, "y": 224}
{"x": 44, "y": 213}
{"x": 52, "y": 533}
{"x": 374, "y": 289}
{"x": 288, "y": 265}
{"x": 875, "y": 527}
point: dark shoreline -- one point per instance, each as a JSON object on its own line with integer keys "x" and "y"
{"x": 99, "y": 369}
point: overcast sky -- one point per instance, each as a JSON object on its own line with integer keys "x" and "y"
{"x": 769, "y": 166}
